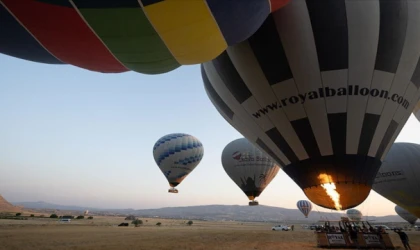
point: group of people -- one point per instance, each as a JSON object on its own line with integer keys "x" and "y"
{"x": 352, "y": 231}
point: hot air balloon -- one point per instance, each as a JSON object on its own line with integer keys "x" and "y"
{"x": 416, "y": 111}
{"x": 250, "y": 168}
{"x": 354, "y": 215}
{"x": 406, "y": 215}
{"x": 177, "y": 155}
{"x": 113, "y": 36}
{"x": 305, "y": 207}
{"x": 324, "y": 87}
{"x": 398, "y": 179}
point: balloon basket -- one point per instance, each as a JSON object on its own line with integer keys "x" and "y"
{"x": 253, "y": 203}
{"x": 173, "y": 190}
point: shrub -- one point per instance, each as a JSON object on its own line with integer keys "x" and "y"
{"x": 68, "y": 217}
{"x": 32, "y": 215}
{"x": 90, "y": 218}
{"x": 189, "y": 223}
{"x": 80, "y": 217}
{"x": 130, "y": 217}
{"x": 18, "y": 214}
{"x": 158, "y": 224}
{"x": 54, "y": 216}
{"x": 42, "y": 216}
{"x": 137, "y": 222}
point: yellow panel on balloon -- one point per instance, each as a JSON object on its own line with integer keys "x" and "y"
{"x": 188, "y": 29}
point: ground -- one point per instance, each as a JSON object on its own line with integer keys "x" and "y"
{"x": 102, "y": 233}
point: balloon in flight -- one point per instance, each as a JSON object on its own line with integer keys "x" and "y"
{"x": 177, "y": 155}
{"x": 305, "y": 207}
{"x": 249, "y": 167}
{"x": 406, "y": 215}
{"x": 398, "y": 179}
{"x": 114, "y": 36}
{"x": 324, "y": 87}
{"x": 354, "y": 214}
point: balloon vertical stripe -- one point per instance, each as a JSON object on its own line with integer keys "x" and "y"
{"x": 115, "y": 25}
{"x": 234, "y": 30}
{"x": 188, "y": 30}
{"x": 72, "y": 41}
{"x": 17, "y": 41}
{"x": 398, "y": 54}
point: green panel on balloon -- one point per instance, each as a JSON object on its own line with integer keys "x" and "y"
{"x": 130, "y": 37}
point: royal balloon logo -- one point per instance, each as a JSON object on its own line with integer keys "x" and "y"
{"x": 246, "y": 157}
{"x": 237, "y": 155}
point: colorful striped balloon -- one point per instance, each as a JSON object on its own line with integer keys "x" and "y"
{"x": 305, "y": 207}
{"x": 147, "y": 36}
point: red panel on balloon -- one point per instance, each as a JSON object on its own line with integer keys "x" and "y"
{"x": 64, "y": 34}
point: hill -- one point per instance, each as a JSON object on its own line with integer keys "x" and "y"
{"x": 214, "y": 212}
{"x": 5, "y": 206}
{"x": 247, "y": 213}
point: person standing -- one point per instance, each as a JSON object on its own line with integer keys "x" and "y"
{"x": 293, "y": 227}
{"x": 404, "y": 238}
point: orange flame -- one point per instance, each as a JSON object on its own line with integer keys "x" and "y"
{"x": 330, "y": 189}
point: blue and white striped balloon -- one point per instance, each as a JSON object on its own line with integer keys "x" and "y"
{"x": 177, "y": 155}
{"x": 305, "y": 207}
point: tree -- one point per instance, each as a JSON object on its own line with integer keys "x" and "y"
{"x": 90, "y": 218}
{"x": 18, "y": 214}
{"x": 32, "y": 215}
{"x": 158, "y": 224}
{"x": 137, "y": 222}
{"x": 80, "y": 217}
{"x": 54, "y": 216}
{"x": 189, "y": 223}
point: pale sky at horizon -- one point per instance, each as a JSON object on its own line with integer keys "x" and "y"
{"x": 74, "y": 137}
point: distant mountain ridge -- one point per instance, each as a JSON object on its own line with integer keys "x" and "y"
{"x": 214, "y": 212}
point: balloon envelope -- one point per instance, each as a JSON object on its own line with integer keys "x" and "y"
{"x": 354, "y": 214}
{"x": 416, "y": 111}
{"x": 250, "y": 168}
{"x": 305, "y": 207}
{"x": 116, "y": 36}
{"x": 324, "y": 87}
{"x": 177, "y": 155}
{"x": 398, "y": 179}
{"x": 406, "y": 215}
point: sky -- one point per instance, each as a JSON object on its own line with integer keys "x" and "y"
{"x": 70, "y": 136}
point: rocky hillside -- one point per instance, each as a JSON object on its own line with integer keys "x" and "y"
{"x": 5, "y": 206}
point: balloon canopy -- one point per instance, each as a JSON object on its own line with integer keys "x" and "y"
{"x": 177, "y": 155}
{"x": 324, "y": 87}
{"x": 305, "y": 207}
{"x": 354, "y": 214}
{"x": 416, "y": 111}
{"x": 398, "y": 179}
{"x": 406, "y": 215}
{"x": 249, "y": 167}
{"x": 147, "y": 36}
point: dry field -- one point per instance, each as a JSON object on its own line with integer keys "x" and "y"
{"x": 102, "y": 233}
